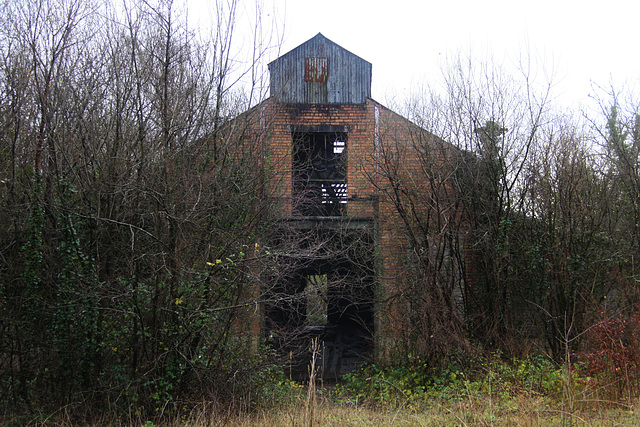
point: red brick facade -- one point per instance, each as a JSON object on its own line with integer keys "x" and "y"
{"x": 382, "y": 150}
{"x": 377, "y": 137}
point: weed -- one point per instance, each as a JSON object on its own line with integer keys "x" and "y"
{"x": 414, "y": 385}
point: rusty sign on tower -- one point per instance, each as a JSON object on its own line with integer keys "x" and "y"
{"x": 316, "y": 69}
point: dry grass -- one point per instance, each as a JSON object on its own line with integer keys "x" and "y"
{"x": 308, "y": 407}
{"x": 525, "y": 411}
{"x": 520, "y": 411}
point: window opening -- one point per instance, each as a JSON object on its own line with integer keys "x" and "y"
{"x": 320, "y": 173}
{"x": 316, "y": 292}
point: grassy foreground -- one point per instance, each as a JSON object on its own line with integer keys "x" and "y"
{"x": 467, "y": 413}
{"x": 524, "y": 411}
{"x": 527, "y": 392}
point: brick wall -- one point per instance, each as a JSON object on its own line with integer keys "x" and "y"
{"x": 380, "y": 142}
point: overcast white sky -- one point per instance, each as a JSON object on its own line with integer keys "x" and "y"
{"x": 407, "y": 41}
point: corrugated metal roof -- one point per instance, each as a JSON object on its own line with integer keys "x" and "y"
{"x": 320, "y": 72}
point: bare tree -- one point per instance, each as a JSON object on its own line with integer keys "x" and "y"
{"x": 130, "y": 250}
{"x": 571, "y": 216}
{"x": 469, "y": 198}
{"x": 417, "y": 179}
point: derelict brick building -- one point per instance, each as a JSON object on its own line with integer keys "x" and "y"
{"x": 328, "y": 147}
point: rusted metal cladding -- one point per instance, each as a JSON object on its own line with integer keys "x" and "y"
{"x": 320, "y": 72}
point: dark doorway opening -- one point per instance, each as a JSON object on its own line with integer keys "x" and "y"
{"x": 328, "y": 296}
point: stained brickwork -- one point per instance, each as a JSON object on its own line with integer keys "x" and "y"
{"x": 379, "y": 142}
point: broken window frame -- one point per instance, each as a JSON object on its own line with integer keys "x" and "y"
{"x": 320, "y": 186}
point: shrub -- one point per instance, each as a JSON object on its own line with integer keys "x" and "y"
{"x": 612, "y": 354}
{"x": 412, "y": 383}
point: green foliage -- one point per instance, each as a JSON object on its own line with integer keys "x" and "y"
{"x": 415, "y": 385}
{"x": 125, "y": 256}
{"x": 615, "y": 135}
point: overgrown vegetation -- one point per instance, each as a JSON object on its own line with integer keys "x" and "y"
{"x": 132, "y": 223}
{"x": 127, "y": 227}
{"x": 416, "y": 384}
